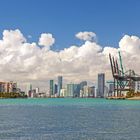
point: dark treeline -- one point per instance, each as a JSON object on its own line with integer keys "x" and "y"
{"x": 12, "y": 95}
{"x": 132, "y": 94}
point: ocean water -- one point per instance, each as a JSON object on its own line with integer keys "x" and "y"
{"x": 69, "y": 119}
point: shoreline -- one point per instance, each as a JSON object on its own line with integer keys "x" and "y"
{"x": 134, "y": 98}
{"x": 107, "y": 98}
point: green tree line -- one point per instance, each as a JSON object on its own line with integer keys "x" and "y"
{"x": 11, "y": 95}
{"x": 132, "y": 94}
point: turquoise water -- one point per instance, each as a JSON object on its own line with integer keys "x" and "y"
{"x": 69, "y": 119}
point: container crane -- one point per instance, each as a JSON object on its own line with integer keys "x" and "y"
{"x": 121, "y": 65}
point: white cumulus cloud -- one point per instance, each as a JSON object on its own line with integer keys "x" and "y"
{"x": 86, "y": 36}
{"x": 46, "y": 40}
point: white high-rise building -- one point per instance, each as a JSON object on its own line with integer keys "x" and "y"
{"x": 28, "y": 90}
{"x": 63, "y": 92}
{"x": 37, "y": 90}
{"x": 70, "y": 90}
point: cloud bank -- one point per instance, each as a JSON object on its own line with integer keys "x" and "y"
{"x": 24, "y": 62}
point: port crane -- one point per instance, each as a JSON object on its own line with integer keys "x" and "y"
{"x": 123, "y": 81}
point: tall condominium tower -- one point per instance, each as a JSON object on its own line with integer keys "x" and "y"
{"x": 29, "y": 90}
{"x": 70, "y": 90}
{"x": 55, "y": 88}
{"x": 101, "y": 85}
{"x": 51, "y": 87}
{"x": 59, "y": 85}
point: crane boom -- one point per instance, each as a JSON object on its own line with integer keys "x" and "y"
{"x": 121, "y": 65}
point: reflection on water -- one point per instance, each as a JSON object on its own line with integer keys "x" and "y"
{"x": 69, "y": 119}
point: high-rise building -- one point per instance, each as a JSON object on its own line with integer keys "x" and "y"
{"x": 81, "y": 93}
{"x": 137, "y": 86}
{"x": 70, "y": 90}
{"x": 86, "y": 90}
{"x": 37, "y": 90}
{"x": 33, "y": 93}
{"x": 76, "y": 90}
{"x": 82, "y": 84}
{"x": 29, "y": 90}
{"x": 8, "y": 87}
{"x": 63, "y": 92}
{"x": 96, "y": 92}
{"x": 55, "y": 88}
{"x": 2, "y": 85}
{"x": 101, "y": 85}
{"x": 12, "y": 87}
{"x": 92, "y": 92}
{"x": 51, "y": 87}
{"x": 111, "y": 89}
{"x": 59, "y": 85}
{"x": 106, "y": 91}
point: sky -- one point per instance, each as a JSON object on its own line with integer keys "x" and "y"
{"x": 40, "y": 39}
{"x": 110, "y": 19}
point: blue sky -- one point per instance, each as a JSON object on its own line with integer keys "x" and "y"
{"x": 109, "y": 19}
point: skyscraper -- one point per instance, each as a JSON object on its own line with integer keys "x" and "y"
{"x": 55, "y": 88}
{"x": 101, "y": 85}
{"x": 92, "y": 91}
{"x": 70, "y": 90}
{"x": 111, "y": 89}
{"x": 86, "y": 91}
{"x": 29, "y": 90}
{"x": 59, "y": 85}
{"x": 51, "y": 87}
{"x": 82, "y": 84}
{"x": 37, "y": 90}
{"x": 76, "y": 90}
